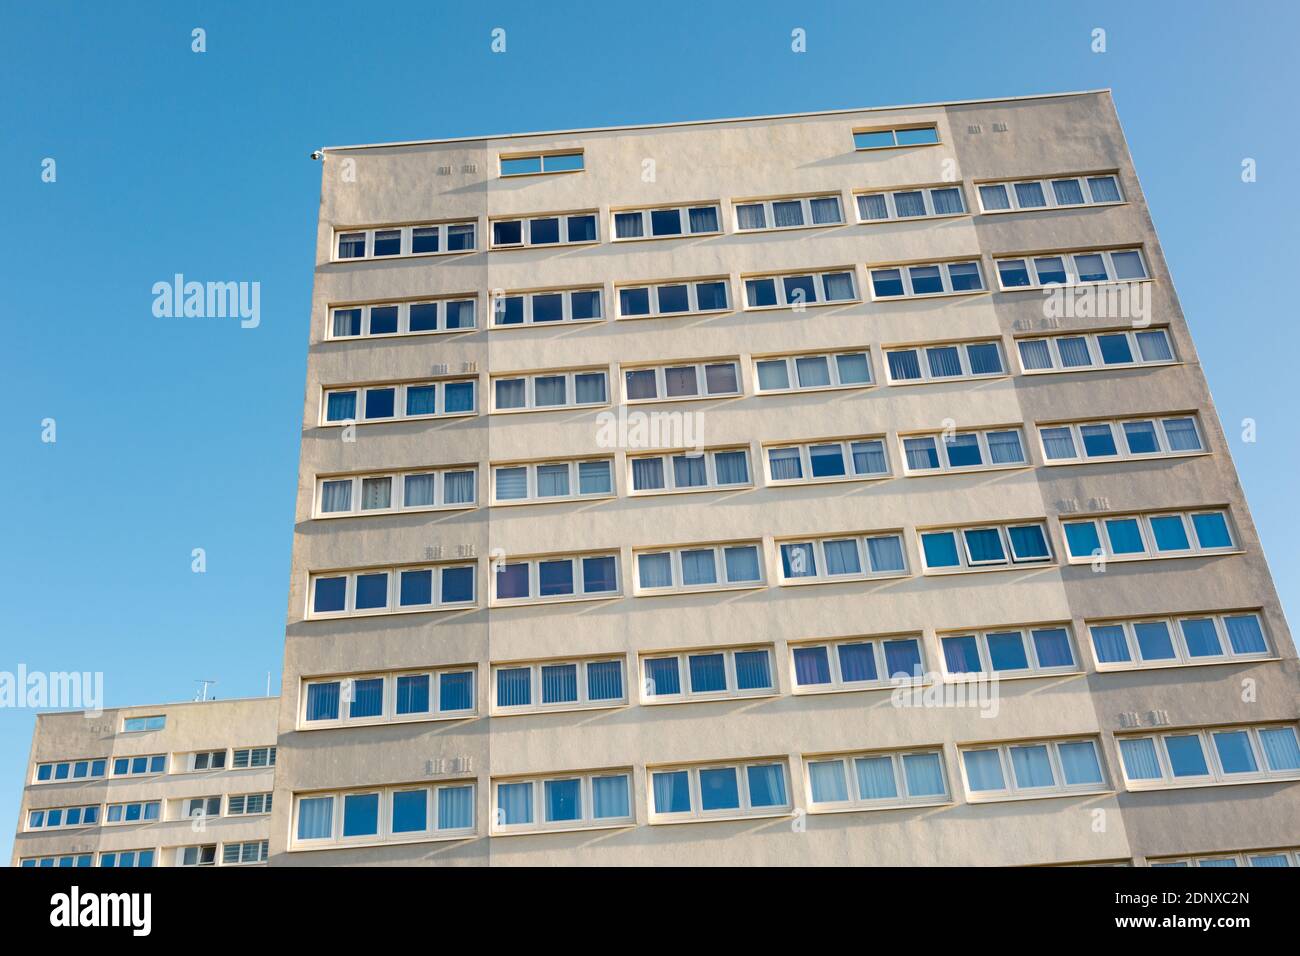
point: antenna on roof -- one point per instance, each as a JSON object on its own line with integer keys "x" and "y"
{"x": 202, "y": 695}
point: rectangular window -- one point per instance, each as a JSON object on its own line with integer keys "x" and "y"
{"x": 888, "y": 138}
{"x": 545, "y": 391}
{"x": 675, "y": 297}
{"x": 812, "y": 372}
{"x": 1174, "y": 534}
{"x": 253, "y": 851}
{"x": 1210, "y": 756}
{"x": 206, "y": 760}
{"x": 980, "y": 450}
{"x": 797, "y": 290}
{"x": 248, "y": 804}
{"x": 71, "y": 860}
{"x": 1009, "y": 651}
{"x": 204, "y": 855}
{"x": 913, "y": 202}
{"x": 1152, "y": 436}
{"x": 555, "y": 577}
{"x": 1031, "y": 768}
{"x": 573, "y": 684}
{"x": 141, "y": 812}
{"x": 699, "y": 567}
{"x": 927, "y": 279}
{"x": 417, "y": 239}
{"x": 1283, "y": 857}
{"x": 669, "y": 677}
{"x": 944, "y": 361}
{"x": 1120, "y": 348}
{"x": 1092, "y": 189}
{"x": 845, "y": 459}
{"x": 546, "y": 307}
{"x": 62, "y": 818}
{"x": 950, "y": 550}
{"x": 252, "y": 758}
{"x": 395, "y": 590}
{"x": 91, "y": 768}
{"x": 139, "y": 766}
{"x": 856, "y": 663}
{"x": 534, "y": 163}
{"x": 666, "y": 222}
{"x": 582, "y": 800}
{"x": 127, "y": 858}
{"x": 396, "y": 697}
{"x": 876, "y": 554}
{"x": 545, "y": 229}
{"x": 133, "y": 725}
{"x": 405, "y": 813}
{"x": 751, "y": 788}
{"x": 794, "y": 212}
{"x": 535, "y": 482}
{"x": 423, "y": 489}
{"x": 407, "y": 400}
{"x": 682, "y": 381}
{"x": 875, "y": 780}
{"x": 1070, "y": 268}
{"x": 453, "y": 314}
{"x": 712, "y": 469}
{"x": 1171, "y": 641}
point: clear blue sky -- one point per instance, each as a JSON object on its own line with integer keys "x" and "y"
{"x": 176, "y": 434}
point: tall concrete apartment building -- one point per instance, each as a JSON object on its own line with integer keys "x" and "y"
{"x": 833, "y": 488}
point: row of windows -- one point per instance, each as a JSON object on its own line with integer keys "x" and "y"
{"x": 250, "y": 851}
{"x": 242, "y": 758}
{"x": 1248, "y": 858}
{"x": 717, "y": 378}
{"x": 714, "y": 566}
{"x": 1201, "y": 756}
{"x": 237, "y": 805}
{"x": 117, "y": 858}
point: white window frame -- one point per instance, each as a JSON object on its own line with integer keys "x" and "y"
{"x": 686, "y": 693}
{"x": 1216, "y": 776}
{"x": 818, "y": 543}
{"x": 580, "y": 593}
{"x": 684, "y": 218}
{"x": 191, "y": 807}
{"x": 1009, "y": 559}
{"x": 769, "y": 216}
{"x": 532, "y": 482}
{"x": 927, "y": 199}
{"x": 399, "y": 401}
{"x": 1238, "y": 858}
{"x": 670, "y": 472}
{"x": 385, "y": 834}
{"x": 76, "y": 860}
{"x": 267, "y": 798}
{"x": 1173, "y": 624}
{"x": 403, "y": 318}
{"x": 124, "y": 822}
{"x": 131, "y": 758}
{"x": 397, "y": 493}
{"x": 1149, "y": 552}
{"x": 1027, "y": 643}
{"x": 894, "y": 131}
{"x": 1159, "y": 423}
{"x": 262, "y": 852}
{"x": 541, "y": 162}
{"x": 785, "y": 301}
{"x": 536, "y": 706}
{"x": 963, "y": 356}
{"x": 391, "y": 605}
{"x": 1072, "y": 273}
{"x": 530, "y": 390}
{"x": 101, "y": 817}
{"x": 526, "y": 229}
{"x": 746, "y": 810}
{"x": 1049, "y": 192}
{"x": 538, "y": 793}
{"x": 791, "y": 361}
{"x": 719, "y": 549}
{"x": 944, "y": 266}
{"x": 72, "y": 766}
{"x": 943, "y": 441}
{"x": 838, "y": 684}
{"x": 136, "y": 856}
{"x": 200, "y": 851}
{"x": 856, "y": 802}
{"x": 805, "y": 461}
{"x": 701, "y": 381}
{"x": 497, "y": 307}
{"x": 406, "y": 241}
{"x": 192, "y": 761}
{"x": 1091, "y": 339}
{"x": 270, "y": 751}
{"x": 388, "y": 711}
{"x": 1011, "y": 790}
{"x": 692, "y": 297}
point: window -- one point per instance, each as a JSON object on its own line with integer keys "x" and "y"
{"x": 842, "y": 558}
{"x": 392, "y": 590}
{"x": 558, "y": 685}
{"x": 1009, "y": 651}
{"x": 677, "y": 297}
{"x": 254, "y": 851}
{"x": 898, "y": 136}
{"x": 547, "y": 307}
{"x": 670, "y": 677}
{"x": 681, "y": 382}
{"x": 997, "y": 546}
{"x": 72, "y": 860}
{"x": 1156, "y": 535}
{"x": 207, "y": 760}
{"x": 1070, "y": 268}
{"x": 712, "y": 469}
{"x": 543, "y": 391}
{"x": 666, "y": 222}
{"x": 401, "y": 318}
{"x": 799, "y": 289}
{"x": 1152, "y": 436}
{"x": 548, "y": 229}
{"x": 812, "y": 372}
{"x": 59, "y": 818}
{"x": 1089, "y": 190}
{"x": 1248, "y": 858}
{"x": 827, "y": 460}
{"x": 139, "y": 766}
{"x": 581, "y": 800}
{"x": 875, "y": 780}
{"x": 979, "y": 450}
{"x": 719, "y": 791}
{"x": 252, "y": 758}
{"x": 556, "y": 577}
{"x": 92, "y": 768}
{"x": 132, "y": 725}
{"x": 699, "y": 567}
{"x": 127, "y": 858}
{"x": 201, "y": 807}
{"x": 205, "y": 855}
{"x": 419, "y": 239}
{"x": 423, "y": 489}
{"x": 856, "y": 663}
{"x": 1168, "y": 641}
{"x": 140, "y": 812}
{"x": 248, "y": 804}
{"x": 1209, "y": 756}
{"x": 917, "y": 202}
{"x": 397, "y": 814}
{"x": 1072, "y": 352}
{"x": 526, "y": 165}
{"x": 392, "y": 402}
{"x": 944, "y": 361}
{"x": 533, "y": 482}
{"x": 794, "y": 212}
{"x": 431, "y": 694}
{"x": 1031, "y": 768}
{"x": 934, "y": 278}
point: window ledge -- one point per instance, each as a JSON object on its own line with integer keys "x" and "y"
{"x": 836, "y": 480}
{"x": 1113, "y": 459}
{"x": 338, "y": 339}
{"x": 333, "y": 845}
{"x": 1064, "y": 285}
{"x": 807, "y": 225}
{"x": 840, "y": 579}
{"x": 674, "y": 399}
{"x": 1164, "y": 666}
{"x": 543, "y": 245}
{"x": 517, "y": 502}
{"x": 566, "y": 599}
{"x": 889, "y": 686}
{"x": 558, "y": 324}
{"x": 412, "y": 255}
{"x": 1023, "y": 566}
{"x": 898, "y": 219}
{"x": 857, "y": 808}
{"x": 1055, "y": 795}
{"x": 1132, "y": 787}
{"x": 967, "y": 469}
{"x": 927, "y": 295}
{"x": 950, "y": 378}
{"x": 306, "y": 726}
{"x": 661, "y": 820}
{"x": 672, "y": 315}
{"x": 679, "y": 235}
{"x": 1138, "y": 559}
{"x": 1076, "y": 205}
{"x": 408, "y": 418}
{"x": 806, "y": 305}
{"x": 1125, "y": 367}
{"x": 710, "y": 589}
{"x": 533, "y": 711}
{"x": 661, "y": 492}
{"x": 549, "y": 408}
{"x": 375, "y": 512}
{"x": 542, "y": 831}
{"x": 392, "y": 612}
{"x": 983, "y": 676}
{"x": 763, "y": 694}
{"x": 811, "y": 391}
